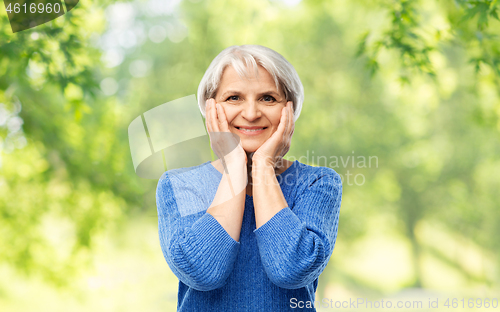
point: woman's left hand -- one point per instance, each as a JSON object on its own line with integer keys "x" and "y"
{"x": 278, "y": 144}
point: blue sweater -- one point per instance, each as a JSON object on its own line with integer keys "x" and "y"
{"x": 271, "y": 268}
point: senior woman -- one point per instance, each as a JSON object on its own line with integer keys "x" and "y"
{"x": 250, "y": 231}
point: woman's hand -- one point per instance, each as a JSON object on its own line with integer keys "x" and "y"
{"x": 278, "y": 144}
{"x": 225, "y": 144}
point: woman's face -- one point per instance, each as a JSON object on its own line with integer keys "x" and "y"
{"x": 252, "y": 106}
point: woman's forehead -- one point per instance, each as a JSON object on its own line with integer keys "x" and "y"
{"x": 231, "y": 79}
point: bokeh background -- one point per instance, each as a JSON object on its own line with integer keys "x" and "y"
{"x": 412, "y": 84}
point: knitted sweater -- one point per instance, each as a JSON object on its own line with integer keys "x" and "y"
{"x": 271, "y": 268}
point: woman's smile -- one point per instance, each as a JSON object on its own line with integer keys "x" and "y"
{"x": 251, "y": 131}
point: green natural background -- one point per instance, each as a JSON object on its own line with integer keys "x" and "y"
{"x": 413, "y": 83}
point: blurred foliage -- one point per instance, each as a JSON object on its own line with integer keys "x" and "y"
{"x": 414, "y": 31}
{"x": 64, "y": 175}
{"x": 427, "y": 108}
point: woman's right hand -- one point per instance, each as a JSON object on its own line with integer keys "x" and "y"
{"x": 225, "y": 144}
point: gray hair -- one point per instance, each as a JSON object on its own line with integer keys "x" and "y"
{"x": 283, "y": 73}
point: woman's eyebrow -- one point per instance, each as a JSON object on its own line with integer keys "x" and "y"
{"x": 270, "y": 92}
{"x": 230, "y": 92}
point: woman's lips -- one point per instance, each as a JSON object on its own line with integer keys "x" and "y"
{"x": 251, "y": 130}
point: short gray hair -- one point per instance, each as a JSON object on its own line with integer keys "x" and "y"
{"x": 283, "y": 73}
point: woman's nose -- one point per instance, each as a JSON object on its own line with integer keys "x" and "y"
{"x": 251, "y": 111}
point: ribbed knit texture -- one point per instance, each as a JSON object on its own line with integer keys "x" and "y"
{"x": 270, "y": 265}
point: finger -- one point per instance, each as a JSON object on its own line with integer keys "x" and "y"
{"x": 222, "y": 118}
{"x": 291, "y": 121}
{"x": 290, "y": 109}
{"x": 287, "y": 135}
{"x": 282, "y": 124}
{"x": 280, "y": 132}
{"x": 214, "y": 129}
{"x": 285, "y": 123}
{"x": 207, "y": 116}
{"x": 215, "y": 120}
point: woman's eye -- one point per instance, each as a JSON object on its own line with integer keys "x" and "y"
{"x": 268, "y": 98}
{"x": 232, "y": 98}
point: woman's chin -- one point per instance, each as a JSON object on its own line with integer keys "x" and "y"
{"x": 250, "y": 148}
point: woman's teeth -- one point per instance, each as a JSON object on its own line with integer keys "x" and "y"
{"x": 251, "y": 129}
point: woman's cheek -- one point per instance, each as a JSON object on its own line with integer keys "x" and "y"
{"x": 230, "y": 113}
{"x": 276, "y": 123}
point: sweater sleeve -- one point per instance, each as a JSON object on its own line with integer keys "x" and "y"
{"x": 295, "y": 245}
{"x": 196, "y": 247}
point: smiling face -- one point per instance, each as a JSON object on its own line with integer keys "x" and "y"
{"x": 252, "y": 106}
